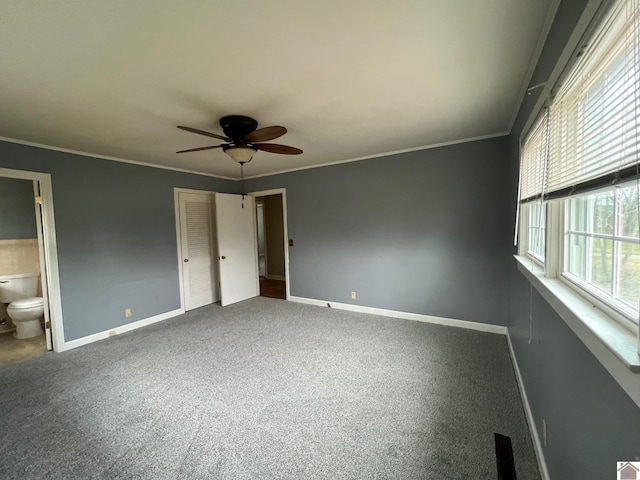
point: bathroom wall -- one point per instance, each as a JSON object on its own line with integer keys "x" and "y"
{"x": 17, "y": 212}
{"x": 18, "y": 237}
{"x": 19, "y": 256}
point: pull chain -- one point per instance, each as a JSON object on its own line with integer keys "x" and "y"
{"x": 242, "y": 181}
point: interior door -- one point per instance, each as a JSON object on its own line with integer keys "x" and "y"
{"x": 196, "y": 239}
{"x": 44, "y": 282}
{"x": 237, "y": 249}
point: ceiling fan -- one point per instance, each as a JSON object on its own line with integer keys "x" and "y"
{"x": 244, "y": 138}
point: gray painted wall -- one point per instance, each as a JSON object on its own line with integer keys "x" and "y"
{"x": 17, "y": 212}
{"x": 116, "y": 235}
{"x": 592, "y": 423}
{"x": 423, "y": 232}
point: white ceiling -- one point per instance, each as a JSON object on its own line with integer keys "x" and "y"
{"x": 349, "y": 79}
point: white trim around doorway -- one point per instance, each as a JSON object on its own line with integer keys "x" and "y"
{"x": 50, "y": 272}
{"x": 283, "y": 193}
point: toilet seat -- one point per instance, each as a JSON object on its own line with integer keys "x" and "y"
{"x": 28, "y": 302}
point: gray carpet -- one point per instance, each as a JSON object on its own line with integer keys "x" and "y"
{"x": 271, "y": 390}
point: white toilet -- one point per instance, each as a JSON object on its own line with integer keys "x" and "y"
{"x": 25, "y": 309}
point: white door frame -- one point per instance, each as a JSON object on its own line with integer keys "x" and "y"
{"x": 283, "y": 192}
{"x": 176, "y": 201}
{"x": 48, "y": 251}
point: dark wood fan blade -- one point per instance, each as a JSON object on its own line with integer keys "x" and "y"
{"x": 200, "y": 148}
{"x": 275, "y": 148}
{"x": 202, "y": 132}
{"x": 265, "y": 134}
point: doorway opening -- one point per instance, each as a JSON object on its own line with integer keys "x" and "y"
{"x": 273, "y": 254}
{"x": 28, "y": 268}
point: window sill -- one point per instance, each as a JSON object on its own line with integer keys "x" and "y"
{"x": 612, "y": 344}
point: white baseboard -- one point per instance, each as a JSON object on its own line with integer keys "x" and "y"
{"x": 537, "y": 444}
{"x": 450, "y": 322}
{"x": 121, "y": 329}
{"x": 275, "y": 277}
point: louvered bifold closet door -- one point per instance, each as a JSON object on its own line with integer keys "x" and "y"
{"x": 197, "y": 234}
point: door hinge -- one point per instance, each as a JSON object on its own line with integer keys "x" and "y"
{"x": 47, "y": 325}
{"x": 39, "y": 200}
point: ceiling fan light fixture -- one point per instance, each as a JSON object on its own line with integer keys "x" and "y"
{"x": 240, "y": 154}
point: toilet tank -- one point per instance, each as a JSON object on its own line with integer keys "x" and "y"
{"x": 15, "y": 287}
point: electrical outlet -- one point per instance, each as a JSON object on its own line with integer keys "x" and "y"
{"x": 127, "y": 312}
{"x": 544, "y": 432}
{"x": 353, "y": 295}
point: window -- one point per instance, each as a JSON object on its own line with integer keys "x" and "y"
{"x": 580, "y": 169}
{"x": 533, "y": 156}
{"x": 593, "y": 124}
{"x": 602, "y": 246}
{"x": 537, "y": 230}
{"x": 533, "y": 160}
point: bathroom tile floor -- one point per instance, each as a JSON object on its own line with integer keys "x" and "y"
{"x": 14, "y": 351}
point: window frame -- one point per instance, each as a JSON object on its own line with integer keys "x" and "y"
{"x": 626, "y": 316}
{"x": 527, "y": 217}
{"x": 555, "y": 259}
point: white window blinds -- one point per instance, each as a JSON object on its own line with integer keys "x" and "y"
{"x": 593, "y": 123}
{"x": 533, "y": 159}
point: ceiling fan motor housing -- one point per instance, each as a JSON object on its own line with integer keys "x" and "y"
{"x": 236, "y": 127}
